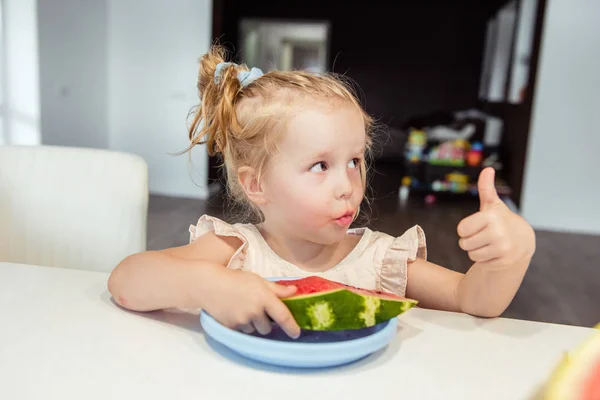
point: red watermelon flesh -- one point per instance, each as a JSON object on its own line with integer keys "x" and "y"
{"x": 321, "y": 304}
{"x": 315, "y": 284}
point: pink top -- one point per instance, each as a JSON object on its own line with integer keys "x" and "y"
{"x": 377, "y": 262}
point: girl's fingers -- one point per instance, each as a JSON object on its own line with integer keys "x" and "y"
{"x": 483, "y": 254}
{"x": 476, "y": 241}
{"x": 281, "y": 291}
{"x": 283, "y": 317}
{"x": 262, "y": 324}
{"x": 472, "y": 224}
{"x": 246, "y": 328}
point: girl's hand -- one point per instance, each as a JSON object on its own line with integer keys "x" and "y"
{"x": 495, "y": 235}
{"x": 245, "y": 301}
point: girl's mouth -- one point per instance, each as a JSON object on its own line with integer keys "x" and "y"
{"x": 345, "y": 220}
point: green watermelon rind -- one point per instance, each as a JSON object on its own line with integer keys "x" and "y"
{"x": 343, "y": 309}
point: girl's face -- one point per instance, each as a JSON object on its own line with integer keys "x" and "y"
{"x": 313, "y": 185}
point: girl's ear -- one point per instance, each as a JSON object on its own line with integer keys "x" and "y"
{"x": 248, "y": 179}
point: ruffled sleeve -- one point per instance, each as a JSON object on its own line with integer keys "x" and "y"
{"x": 207, "y": 224}
{"x": 404, "y": 249}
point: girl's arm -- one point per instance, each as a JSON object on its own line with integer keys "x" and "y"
{"x": 482, "y": 291}
{"x": 501, "y": 244}
{"x": 170, "y": 278}
{"x": 195, "y": 276}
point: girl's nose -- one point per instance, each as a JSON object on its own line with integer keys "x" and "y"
{"x": 344, "y": 186}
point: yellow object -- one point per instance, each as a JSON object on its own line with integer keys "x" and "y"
{"x": 463, "y": 144}
{"x": 406, "y": 181}
{"x": 572, "y": 374}
{"x": 417, "y": 137}
{"x": 458, "y": 178}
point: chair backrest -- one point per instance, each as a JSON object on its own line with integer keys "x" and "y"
{"x": 71, "y": 207}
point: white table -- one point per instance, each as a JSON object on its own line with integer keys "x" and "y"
{"x": 62, "y": 337}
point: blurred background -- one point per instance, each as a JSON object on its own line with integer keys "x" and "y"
{"x": 457, "y": 85}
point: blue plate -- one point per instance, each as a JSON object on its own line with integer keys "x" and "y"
{"x": 314, "y": 349}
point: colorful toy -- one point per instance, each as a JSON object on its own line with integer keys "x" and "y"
{"x": 459, "y": 182}
{"x": 417, "y": 139}
{"x": 475, "y": 155}
{"x": 450, "y": 153}
{"x": 455, "y": 182}
{"x": 457, "y": 177}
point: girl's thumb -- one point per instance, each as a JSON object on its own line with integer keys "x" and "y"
{"x": 488, "y": 196}
{"x": 281, "y": 290}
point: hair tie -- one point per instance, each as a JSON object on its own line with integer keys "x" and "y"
{"x": 245, "y": 77}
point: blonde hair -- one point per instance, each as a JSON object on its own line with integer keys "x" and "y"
{"x": 242, "y": 123}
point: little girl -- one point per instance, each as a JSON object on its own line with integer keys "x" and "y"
{"x": 294, "y": 145}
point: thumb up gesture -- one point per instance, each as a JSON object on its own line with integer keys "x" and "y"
{"x": 495, "y": 235}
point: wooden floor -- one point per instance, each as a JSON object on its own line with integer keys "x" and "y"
{"x": 561, "y": 286}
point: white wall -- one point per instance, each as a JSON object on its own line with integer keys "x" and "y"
{"x": 154, "y": 49}
{"x": 20, "y": 93}
{"x": 562, "y": 186}
{"x": 73, "y": 40}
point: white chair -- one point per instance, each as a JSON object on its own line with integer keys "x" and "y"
{"x": 71, "y": 207}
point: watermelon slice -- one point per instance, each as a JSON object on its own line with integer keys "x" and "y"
{"x": 323, "y": 305}
{"x": 577, "y": 376}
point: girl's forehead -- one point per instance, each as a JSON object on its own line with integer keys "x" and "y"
{"x": 318, "y": 126}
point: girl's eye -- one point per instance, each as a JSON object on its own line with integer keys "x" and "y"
{"x": 318, "y": 167}
{"x": 354, "y": 163}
